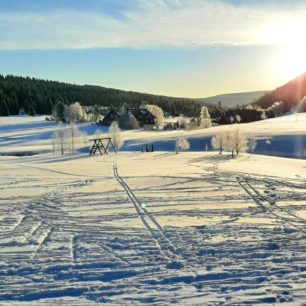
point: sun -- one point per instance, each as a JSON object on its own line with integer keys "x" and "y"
{"x": 293, "y": 61}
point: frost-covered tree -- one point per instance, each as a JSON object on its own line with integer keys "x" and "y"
{"x": 278, "y": 108}
{"x": 218, "y": 142}
{"x": 74, "y": 113}
{"x": 59, "y": 139}
{"x": 182, "y": 144}
{"x": 157, "y": 112}
{"x": 205, "y": 120}
{"x": 240, "y": 140}
{"x": 230, "y": 143}
{"x": 73, "y": 135}
{"x": 115, "y": 134}
{"x": 236, "y": 142}
{"x": 252, "y": 143}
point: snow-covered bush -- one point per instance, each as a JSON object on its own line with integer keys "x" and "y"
{"x": 157, "y": 112}
{"x": 205, "y": 120}
{"x": 182, "y": 144}
{"x": 115, "y": 134}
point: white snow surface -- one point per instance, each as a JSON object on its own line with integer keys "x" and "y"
{"x": 132, "y": 228}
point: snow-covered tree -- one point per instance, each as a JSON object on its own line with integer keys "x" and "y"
{"x": 157, "y": 112}
{"x": 205, "y": 120}
{"x": 59, "y": 139}
{"x": 240, "y": 140}
{"x": 278, "y": 108}
{"x": 74, "y": 113}
{"x": 236, "y": 142}
{"x": 252, "y": 143}
{"x": 182, "y": 144}
{"x": 218, "y": 142}
{"x": 115, "y": 134}
{"x": 73, "y": 135}
{"x": 230, "y": 143}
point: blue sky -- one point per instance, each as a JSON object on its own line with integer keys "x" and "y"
{"x": 174, "y": 47}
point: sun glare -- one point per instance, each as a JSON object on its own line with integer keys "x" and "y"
{"x": 293, "y": 61}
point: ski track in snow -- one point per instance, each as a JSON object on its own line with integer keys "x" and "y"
{"x": 57, "y": 246}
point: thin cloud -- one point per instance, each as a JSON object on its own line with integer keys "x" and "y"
{"x": 153, "y": 24}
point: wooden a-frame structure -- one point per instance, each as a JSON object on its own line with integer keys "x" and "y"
{"x": 101, "y": 144}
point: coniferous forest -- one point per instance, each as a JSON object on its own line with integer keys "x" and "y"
{"x": 38, "y": 96}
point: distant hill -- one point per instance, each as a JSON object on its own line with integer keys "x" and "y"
{"x": 291, "y": 93}
{"x": 233, "y": 99}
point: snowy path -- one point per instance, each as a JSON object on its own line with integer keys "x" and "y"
{"x": 206, "y": 236}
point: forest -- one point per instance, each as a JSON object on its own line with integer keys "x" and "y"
{"x": 37, "y": 96}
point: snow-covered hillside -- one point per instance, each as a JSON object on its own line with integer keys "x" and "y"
{"x": 284, "y": 136}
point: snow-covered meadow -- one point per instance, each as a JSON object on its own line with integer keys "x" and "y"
{"x": 159, "y": 228}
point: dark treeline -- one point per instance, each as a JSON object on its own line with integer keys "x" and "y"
{"x": 39, "y": 96}
{"x": 291, "y": 94}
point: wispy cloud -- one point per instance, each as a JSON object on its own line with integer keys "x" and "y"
{"x": 155, "y": 23}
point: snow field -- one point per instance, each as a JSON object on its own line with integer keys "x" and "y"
{"x": 75, "y": 231}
